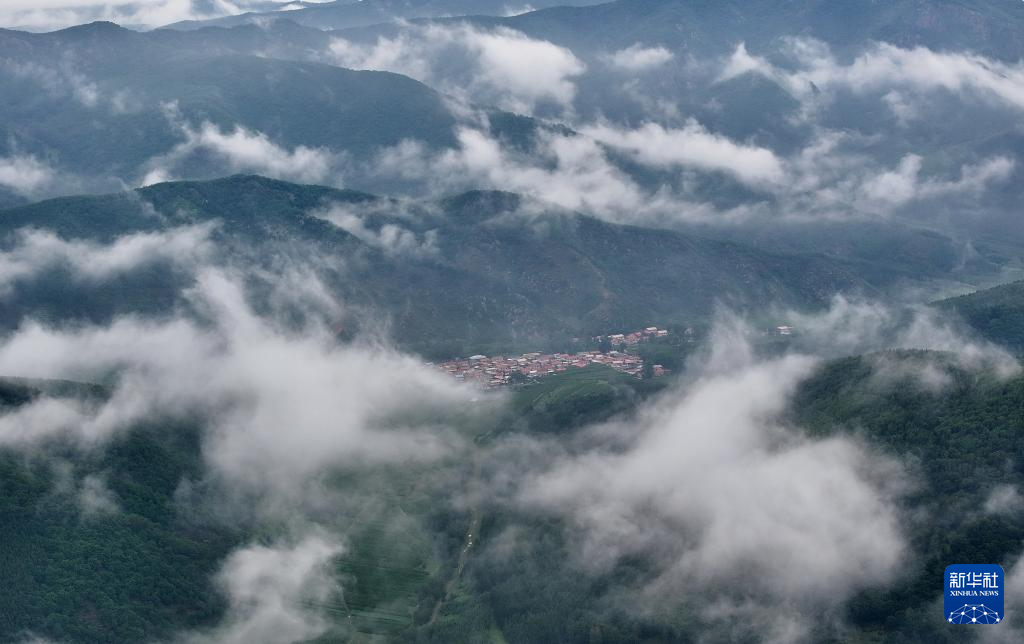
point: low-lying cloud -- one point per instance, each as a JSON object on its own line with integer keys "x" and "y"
{"x": 886, "y": 66}
{"x": 568, "y": 170}
{"x": 727, "y": 499}
{"x": 394, "y": 239}
{"x": 693, "y": 146}
{"x": 500, "y": 66}
{"x": 713, "y": 486}
{"x": 638, "y": 58}
{"x": 853, "y": 327}
{"x": 244, "y": 150}
{"x": 35, "y": 251}
{"x": 25, "y": 175}
{"x": 280, "y": 407}
{"x": 276, "y": 594}
{"x": 46, "y": 15}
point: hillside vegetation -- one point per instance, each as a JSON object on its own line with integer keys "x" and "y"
{"x": 997, "y": 314}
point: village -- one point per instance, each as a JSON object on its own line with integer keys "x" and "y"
{"x": 497, "y": 371}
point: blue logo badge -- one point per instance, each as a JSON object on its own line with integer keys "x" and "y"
{"x": 974, "y": 594}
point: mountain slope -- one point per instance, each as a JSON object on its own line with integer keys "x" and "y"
{"x": 702, "y": 27}
{"x": 134, "y": 572}
{"x": 963, "y": 445}
{"x": 471, "y": 270}
{"x": 98, "y": 106}
{"x": 163, "y": 89}
{"x": 996, "y": 313}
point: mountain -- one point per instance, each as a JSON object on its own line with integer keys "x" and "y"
{"x": 965, "y": 442}
{"x": 891, "y": 255}
{"x": 665, "y": 62}
{"x": 473, "y": 273}
{"x": 200, "y": 106}
{"x": 292, "y": 103}
{"x": 997, "y": 314}
{"x": 701, "y": 27}
{"x": 131, "y": 574}
{"x": 344, "y": 14}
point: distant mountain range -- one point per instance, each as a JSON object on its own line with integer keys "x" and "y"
{"x": 104, "y": 106}
{"x": 701, "y": 27}
{"x": 344, "y": 14}
{"x": 129, "y": 99}
{"x": 478, "y": 270}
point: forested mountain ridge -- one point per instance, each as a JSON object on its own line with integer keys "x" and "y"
{"x": 473, "y": 271}
{"x": 996, "y": 313}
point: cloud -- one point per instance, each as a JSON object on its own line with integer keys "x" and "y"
{"x": 715, "y": 488}
{"x": 567, "y": 170}
{"x": 900, "y": 186}
{"x": 25, "y": 174}
{"x": 833, "y": 178}
{"x": 281, "y": 406}
{"x": 1004, "y": 499}
{"x": 95, "y": 498}
{"x": 886, "y": 67}
{"x": 46, "y": 418}
{"x": 55, "y": 14}
{"x": 64, "y": 81}
{"x": 34, "y": 251}
{"x": 638, "y": 58}
{"x": 853, "y": 327}
{"x": 499, "y": 66}
{"x": 743, "y": 517}
{"x": 244, "y": 150}
{"x": 391, "y": 238}
{"x": 693, "y": 146}
{"x": 275, "y": 594}
{"x": 830, "y": 178}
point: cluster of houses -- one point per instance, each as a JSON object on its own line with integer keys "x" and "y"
{"x": 490, "y": 372}
{"x": 634, "y": 338}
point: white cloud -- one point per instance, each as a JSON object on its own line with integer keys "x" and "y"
{"x": 852, "y": 327}
{"x": 637, "y": 58}
{"x": 35, "y": 251}
{"x": 742, "y": 516}
{"x": 46, "y": 418}
{"x": 693, "y": 146}
{"x": 579, "y": 176}
{"x": 713, "y": 486}
{"x": 901, "y": 108}
{"x": 566, "y": 170}
{"x": 900, "y": 186}
{"x": 886, "y": 67}
{"x": 1004, "y": 499}
{"x": 832, "y": 178}
{"x": 499, "y": 66}
{"x": 95, "y": 498}
{"x": 59, "y": 81}
{"x": 391, "y": 238}
{"x": 281, "y": 406}
{"x": 25, "y": 174}
{"x": 244, "y": 150}
{"x": 57, "y": 14}
{"x": 276, "y": 594}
